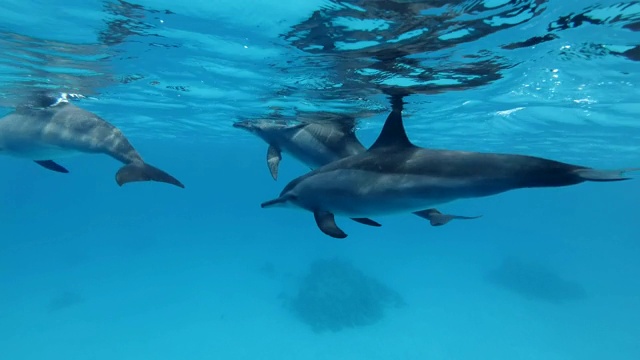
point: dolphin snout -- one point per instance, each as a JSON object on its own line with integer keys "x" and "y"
{"x": 244, "y": 124}
{"x": 282, "y": 201}
{"x": 272, "y": 203}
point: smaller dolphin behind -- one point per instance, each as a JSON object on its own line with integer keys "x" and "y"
{"x": 396, "y": 176}
{"x": 314, "y": 144}
{"x": 52, "y": 128}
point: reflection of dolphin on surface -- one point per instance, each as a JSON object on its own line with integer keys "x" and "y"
{"x": 317, "y": 144}
{"x": 534, "y": 281}
{"x": 396, "y": 176}
{"x": 51, "y": 128}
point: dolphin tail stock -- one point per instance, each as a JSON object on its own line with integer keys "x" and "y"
{"x": 436, "y": 218}
{"x": 589, "y": 174}
{"x": 140, "y": 171}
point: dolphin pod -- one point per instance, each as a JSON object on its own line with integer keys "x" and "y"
{"x": 396, "y": 176}
{"x": 346, "y": 179}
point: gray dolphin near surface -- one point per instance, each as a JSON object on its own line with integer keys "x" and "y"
{"x": 318, "y": 144}
{"x": 55, "y": 128}
{"x": 396, "y": 176}
{"x": 314, "y": 144}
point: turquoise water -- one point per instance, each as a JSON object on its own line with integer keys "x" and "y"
{"x": 90, "y": 270}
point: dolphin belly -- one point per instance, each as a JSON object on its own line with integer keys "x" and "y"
{"x": 357, "y": 193}
{"x": 34, "y": 150}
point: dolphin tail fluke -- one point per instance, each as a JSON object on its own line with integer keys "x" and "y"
{"x": 604, "y": 175}
{"x": 139, "y": 171}
{"x": 436, "y": 218}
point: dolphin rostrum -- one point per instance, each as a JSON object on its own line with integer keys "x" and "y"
{"x": 396, "y": 176}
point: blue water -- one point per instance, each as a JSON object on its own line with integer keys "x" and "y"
{"x": 90, "y": 270}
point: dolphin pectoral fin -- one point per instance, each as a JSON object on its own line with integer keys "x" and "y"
{"x": 436, "y": 218}
{"x": 327, "y": 224}
{"x": 139, "y": 171}
{"x": 51, "y": 165}
{"x": 366, "y": 221}
{"x": 273, "y": 160}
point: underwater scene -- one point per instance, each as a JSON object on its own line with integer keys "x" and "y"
{"x": 320, "y": 179}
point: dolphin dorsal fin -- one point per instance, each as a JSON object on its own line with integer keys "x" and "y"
{"x": 393, "y": 133}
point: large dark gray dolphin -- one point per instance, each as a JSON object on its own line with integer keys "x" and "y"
{"x": 314, "y": 144}
{"x": 55, "y": 128}
{"x": 396, "y": 176}
{"x": 317, "y": 144}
